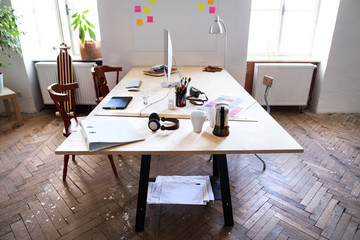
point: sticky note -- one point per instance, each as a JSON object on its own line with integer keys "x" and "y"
{"x": 137, "y": 8}
{"x": 150, "y": 19}
{"x": 200, "y": 6}
{"x": 210, "y": 1}
{"x": 211, "y": 9}
{"x": 139, "y": 22}
{"x": 152, "y": 2}
{"x": 146, "y": 9}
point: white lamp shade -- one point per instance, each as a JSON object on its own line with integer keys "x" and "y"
{"x": 217, "y": 26}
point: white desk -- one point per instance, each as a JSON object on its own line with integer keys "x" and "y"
{"x": 263, "y": 136}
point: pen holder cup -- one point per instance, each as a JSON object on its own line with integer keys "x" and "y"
{"x": 181, "y": 98}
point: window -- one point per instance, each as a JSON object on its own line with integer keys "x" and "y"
{"x": 48, "y": 24}
{"x": 282, "y": 27}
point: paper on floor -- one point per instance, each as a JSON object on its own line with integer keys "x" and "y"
{"x": 193, "y": 190}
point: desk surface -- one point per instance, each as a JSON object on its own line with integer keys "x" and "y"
{"x": 263, "y": 136}
{"x": 213, "y": 84}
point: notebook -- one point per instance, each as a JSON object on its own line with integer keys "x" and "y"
{"x": 117, "y": 103}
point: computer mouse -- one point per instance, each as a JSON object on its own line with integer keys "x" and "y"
{"x": 133, "y": 89}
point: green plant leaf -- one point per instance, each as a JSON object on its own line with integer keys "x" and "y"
{"x": 92, "y": 34}
{"x": 85, "y": 28}
{"x": 86, "y": 11}
{"x": 75, "y": 21}
{"x": 75, "y": 15}
{"x": 89, "y": 24}
{"x": 81, "y": 34}
{"x": 9, "y": 33}
{"x": 75, "y": 27}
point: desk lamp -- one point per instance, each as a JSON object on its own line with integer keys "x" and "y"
{"x": 218, "y": 27}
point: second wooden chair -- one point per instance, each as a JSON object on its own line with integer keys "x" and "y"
{"x": 100, "y": 82}
{"x": 60, "y": 98}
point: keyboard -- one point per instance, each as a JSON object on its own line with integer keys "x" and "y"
{"x": 133, "y": 83}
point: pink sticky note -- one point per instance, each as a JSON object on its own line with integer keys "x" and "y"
{"x": 137, "y": 8}
{"x": 150, "y": 19}
{"x": 211, "y": 9}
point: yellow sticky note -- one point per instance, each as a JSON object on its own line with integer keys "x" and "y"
{"x": 152, "y": 2}
{"x": 210, "y": 1}
{"x": 200, "y": 6}
{"x": 146, "y": 9}
{"x": 139, "y": 22}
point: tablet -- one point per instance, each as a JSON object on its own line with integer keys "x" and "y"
{"x": 117, "y": 103}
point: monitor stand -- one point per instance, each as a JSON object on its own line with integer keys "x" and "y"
{"x": 169, "y": 84}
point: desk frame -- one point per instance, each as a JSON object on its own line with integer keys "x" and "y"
{"x": 219, "y": 168}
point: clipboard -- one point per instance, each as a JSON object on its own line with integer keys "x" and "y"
{"x": 118, "y": 103}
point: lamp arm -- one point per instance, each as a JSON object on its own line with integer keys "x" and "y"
{"x": 225, "y": 44}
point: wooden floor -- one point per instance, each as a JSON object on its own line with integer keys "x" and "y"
{"x": 313, "y": 195}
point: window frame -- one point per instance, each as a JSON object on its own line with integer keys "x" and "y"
{"x": 279, "y": 35}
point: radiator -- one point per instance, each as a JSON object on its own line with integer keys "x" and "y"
{"x": 291, "y": 84}
{"x": 47, "y": 75}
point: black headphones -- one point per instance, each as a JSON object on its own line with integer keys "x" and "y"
{"x": 154, "y": 123}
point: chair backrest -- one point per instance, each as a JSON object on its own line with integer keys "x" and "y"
{"x": 100, "y": 82}
{"x": 61, "y": 94}
{"x": 267, "y": 81}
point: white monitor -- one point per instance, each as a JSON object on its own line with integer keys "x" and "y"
{"x": 168, "y": 58}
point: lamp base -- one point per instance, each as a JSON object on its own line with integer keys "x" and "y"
{"x": 169, "y": 84}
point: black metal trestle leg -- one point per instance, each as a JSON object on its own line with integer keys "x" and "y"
{"x": 142, "y": 194}
{"x": 225, "y": 189}
{"x": 215, "y": 166}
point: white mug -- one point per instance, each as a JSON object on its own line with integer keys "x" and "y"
{"x": 197, "y": 120}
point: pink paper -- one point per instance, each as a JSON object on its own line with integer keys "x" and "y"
{"x": 137, "y": 8}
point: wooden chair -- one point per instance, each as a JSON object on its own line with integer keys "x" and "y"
{"x": 267, "y": 81}
{"x": 60, "y": 98}
{"x": 100, "y": 82}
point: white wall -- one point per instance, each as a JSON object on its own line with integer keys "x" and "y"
{"x": 116, "y": 28}
{"x": 338, "y": 86}
{"x": 322, "y": 43}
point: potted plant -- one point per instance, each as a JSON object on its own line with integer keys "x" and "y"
{"x": 89, "y": 49}
{"x": 9, "y": 38}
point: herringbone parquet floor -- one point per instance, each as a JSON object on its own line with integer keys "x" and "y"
{"x": 313, "y": 195}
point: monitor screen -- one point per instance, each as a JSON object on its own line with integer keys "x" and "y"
{"x": 168, "y": 60}
{"x": 168, "y": 54}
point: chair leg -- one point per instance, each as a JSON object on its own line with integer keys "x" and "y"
{"x": 264, "y": 164}
{"x": 66, "y": 161}
{"x": 73, "y": 158}
{"x": 111, "y": 159}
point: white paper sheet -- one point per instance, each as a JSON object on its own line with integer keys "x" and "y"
{"x": 193, "y": 190}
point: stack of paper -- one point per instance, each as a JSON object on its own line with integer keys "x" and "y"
{"x": 192, "y": 190}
